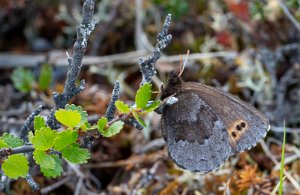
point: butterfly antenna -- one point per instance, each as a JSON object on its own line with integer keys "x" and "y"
{"x": 185, "y": 62}
{"x": 180, "y": 65}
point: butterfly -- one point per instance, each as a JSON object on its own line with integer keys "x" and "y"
{"x": 207, "y": 125}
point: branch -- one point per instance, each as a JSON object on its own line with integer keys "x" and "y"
{"x": 70, "y": 90}
{"x": 114, "y": 97}
{"x": 163, "y": 39}
{"x": 147, "y": 69}
{"x": 289, "y": 15}
{"x": 4, "y": 152}
{"x": 4, "y": 181}
{"x": 34, "y": 186}
{"x": 25, "y": 129}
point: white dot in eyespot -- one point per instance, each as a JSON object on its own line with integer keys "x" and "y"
{"x": 171, "y": 101}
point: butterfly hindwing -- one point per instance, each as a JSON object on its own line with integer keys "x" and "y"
{"x": 197, "y": 139}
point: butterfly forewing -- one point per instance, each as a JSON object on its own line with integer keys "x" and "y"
{"x": 245, "y": 124}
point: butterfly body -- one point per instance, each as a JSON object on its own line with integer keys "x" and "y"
{"x": 208, "y": 125}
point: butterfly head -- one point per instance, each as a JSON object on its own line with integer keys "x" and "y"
{"x": 173, "y": 85}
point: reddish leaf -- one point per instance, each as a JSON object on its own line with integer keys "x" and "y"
{"x": 239, "y": 8}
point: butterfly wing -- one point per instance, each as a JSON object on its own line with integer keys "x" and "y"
{"x": 245, "y": 124}
{"x": 197, "y": 139}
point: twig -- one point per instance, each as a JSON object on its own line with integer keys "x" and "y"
{"x": 11, "y": 60}
{"x": 22, "y": 149}
{"x": 153, "y": 145}
{"x": 52, "y": 187}
{"x": 274, "y": 160}
{"x": 4, "y": 180}
{"x": 138, "y": 33}
{"x": 78, "y": 186}
{"x": 76, "y": 169}
{"x": 102, "y": 29}
{"x": 289, "y": 15}
{"x": 34, "y": 186}
{"x": 288, "y": 160}
{"x": 25, "y": 129}
{"x": 287, "y": 129}
{"x": 114, "y": 97}
{"x": 282, "y": 108}
{"x": 149, "y": 158}
{"x": 200, "y": 56}
{"x": 147, "y": 69}
{"x": 70, "y": 90}
{"x": 145, "y": 179}
{"x": 163, "y": 39}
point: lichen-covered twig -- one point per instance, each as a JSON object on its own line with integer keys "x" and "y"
{"x": 4, "y": 180}
{"x": 147, "y": 65}
{"x": 25, "y": 129}
{"x": 163, "y": 39}
{"x": 114, "y": 97}
{"x": 4, "y": 152}
{"x": 34, "y": 186}
{"x": 147, "y": 70}
{"x": 70, "y": 90}
{"x": 134, "y": 123}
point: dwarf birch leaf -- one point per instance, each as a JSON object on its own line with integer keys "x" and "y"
{"x": 152, "y": 106}
{"x": 75, "y": 154}
{"x": 45, "y": 76}
{"x": 83, "y": 113}
{"x": 85, "y": 126}
{"x": 69, "y": 118}
{"x": 139, "y": 119}
{"x": 101, "y": 124}
{"x": 65, "y": 138}
{"x": 56, "y": 171}
{"x": 15, "y": 166}
{"x": 22, "y": 79}
{"x": 39, "y": 122}
{"x": 143, "y": 95}
{"x": 43, "y": 159}
{"x": 43, "y": 138}
{"x": 3, "y": 144}
{"x": 11, "y": 140}
{"x": 122, "y": 107}
{"x": 114, "y": 129}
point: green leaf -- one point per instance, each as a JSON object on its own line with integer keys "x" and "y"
{"x": 277, "y": 187}
{"x": 281, "y": 176}
{"x": 11, "y": 140}
{"x": 83, "y": 113}
{"x": 75, "y": 154}
{"x": 139, "y": 119}
{"x": 43, "y": 159}
{"x": 39, "y": 122}
{"x": 122, "y": 107}
{"x": 45, "y": 77}
{"x": 152, "y": 106}
{"x": 68, "y": 118}
{"x": 143, "y": 95}
{"x": 85, "y": 126}
{"x": 30, "y": 136}
{"x": 15, "y": 166}
{"x": 114, "y": 129}
{"x": 102, "y": 123}
{"x": 3, "y": 144}
{"x": 56, "y": 171}
{"x": 64, "y": 139}
{"x": 43, "y": 138}
{"x": 22, "y": 79}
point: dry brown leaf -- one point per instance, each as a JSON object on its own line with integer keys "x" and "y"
{"x": 247, "y": 177}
